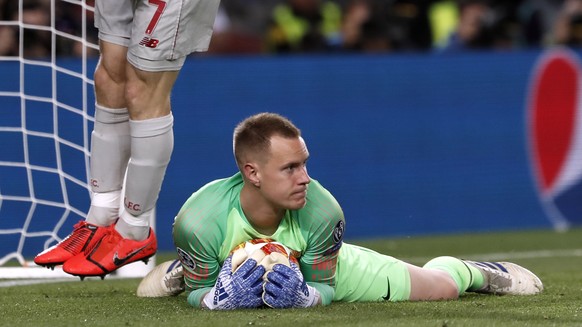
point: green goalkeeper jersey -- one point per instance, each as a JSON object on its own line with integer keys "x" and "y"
{"x": 211, "y": 223}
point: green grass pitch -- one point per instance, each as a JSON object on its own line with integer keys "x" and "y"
{"x": 555, "y": 257}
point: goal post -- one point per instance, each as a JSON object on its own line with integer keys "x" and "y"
{"x": 46, "y": 119}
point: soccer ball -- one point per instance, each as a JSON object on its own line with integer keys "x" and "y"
{"x": 265, "y": 252}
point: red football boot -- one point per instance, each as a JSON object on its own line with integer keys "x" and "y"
{"x": 109, "y": 254}
{"x": 84, "y": 236}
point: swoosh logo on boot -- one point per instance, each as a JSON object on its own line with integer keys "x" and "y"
{"x": 121, "y": 261}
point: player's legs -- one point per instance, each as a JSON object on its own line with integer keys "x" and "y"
{"x": 110, "y": 151}
{"x": 145, "y": 135}
{"x": 141, "y": 81}
{"x": 146, "y": 146}
{"x": 431, "y": 284}
{"x": 110, "y": 75}
{"x": 110, "y": 140}
{"x": 155, "y": 55}
{"x": 152, "y": 142}
{"x": 163, "y": 33}
{"x": 147, "y": 96}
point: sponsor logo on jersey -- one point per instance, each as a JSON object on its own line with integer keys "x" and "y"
{"x": 554, "y": 123}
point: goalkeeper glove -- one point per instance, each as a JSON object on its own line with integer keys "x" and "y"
{"x": 285, "y": 287}
{"x": 238, "y": 290}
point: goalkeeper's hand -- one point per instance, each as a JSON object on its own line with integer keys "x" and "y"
{"x": 285, "y": 287}
{"x": 238, "y": 290}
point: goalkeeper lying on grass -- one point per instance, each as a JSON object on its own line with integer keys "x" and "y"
{"x": 272, "y": 196}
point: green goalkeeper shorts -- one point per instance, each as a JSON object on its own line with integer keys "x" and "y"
{"x": 364, "y": 275}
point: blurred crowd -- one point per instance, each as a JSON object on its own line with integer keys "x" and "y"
{"x": 36, "y": 20}
{"x": 291, "y": 26}
{"x": 324, "y": 26}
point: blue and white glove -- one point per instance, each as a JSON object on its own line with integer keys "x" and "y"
{"x": 238, "y": 290}
{"x": 285, "y": 287}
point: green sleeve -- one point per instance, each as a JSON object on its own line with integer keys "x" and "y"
{"x": 322, "y": 225}
{"x": 198, "y": 233}
{"x": 195, "y": 297}
{"x": 324, "y": 290}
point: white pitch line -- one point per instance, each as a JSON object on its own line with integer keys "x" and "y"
{"x": 20, "y": 282}
{"x": 44, "y": 280}
{"x": 494, "y": 256}
{"x": 497, "y": 256}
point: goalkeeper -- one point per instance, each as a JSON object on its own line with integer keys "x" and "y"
{"x": 272, "y": 196}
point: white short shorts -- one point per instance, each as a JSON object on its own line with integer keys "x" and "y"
{"x": 159, "y": 34}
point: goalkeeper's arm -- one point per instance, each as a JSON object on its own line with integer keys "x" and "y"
{"x": 196, "y": 296}
{"x": 326, "y": 292}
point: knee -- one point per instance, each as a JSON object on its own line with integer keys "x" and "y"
{"x": 109, "y": 75}
{"x": 431, "y": 284}
{"x": 452, "y": 272}
{"x": 448, "y": 287}
{"x": 100, "y": 77}
{"x": 444, "y": 285}
{"x": 132, "y": 91}
{"x": 137, "y": 97}
{"x": 148, "y": 93}
{"x": 109, "y": 88}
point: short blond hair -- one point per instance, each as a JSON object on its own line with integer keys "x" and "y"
{"x": 253, "y": 135}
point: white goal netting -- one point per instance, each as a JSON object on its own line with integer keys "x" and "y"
{"x": 48, "y": 53}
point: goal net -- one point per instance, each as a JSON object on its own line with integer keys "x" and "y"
{"x": 48, "y": 53}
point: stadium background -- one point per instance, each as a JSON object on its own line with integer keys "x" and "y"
{"x": 409, "y": 145}
{"x": 417, "y": 141}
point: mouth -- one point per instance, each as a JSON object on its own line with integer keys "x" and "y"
{"x": 300, "y": 194}
{"x": 298, "y": 199}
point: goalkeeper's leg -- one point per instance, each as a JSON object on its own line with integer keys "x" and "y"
{"x": 448, "y": 277}
{"x": 431, "y": 284}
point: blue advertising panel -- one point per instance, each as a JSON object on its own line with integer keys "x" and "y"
{"x": 408, "y": 144}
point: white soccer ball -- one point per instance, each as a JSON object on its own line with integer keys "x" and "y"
{"x": 265, "y": 252}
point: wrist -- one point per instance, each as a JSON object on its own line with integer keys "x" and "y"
{"x": 314, "y": 297}
{"x": 326, "y": 292}
{"x": 207, "y": 301}
{"x": 196, "y": 296}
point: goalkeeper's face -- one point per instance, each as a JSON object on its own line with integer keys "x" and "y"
{"x": 283, "y": 176}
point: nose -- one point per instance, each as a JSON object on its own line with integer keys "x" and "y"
{"x": 304, "y": 176}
